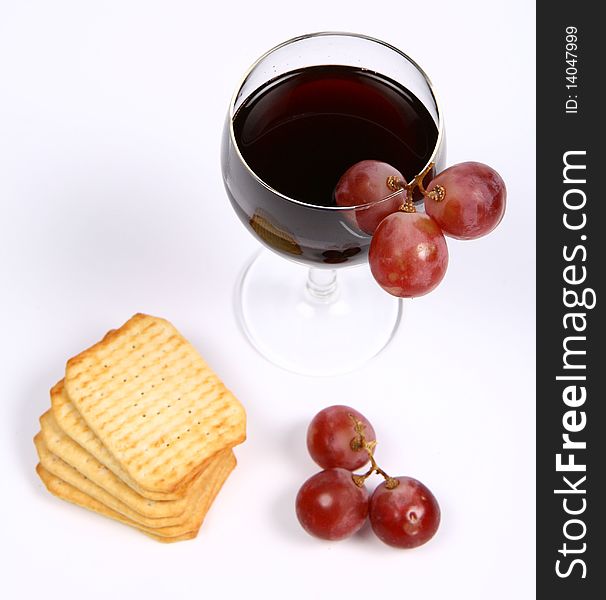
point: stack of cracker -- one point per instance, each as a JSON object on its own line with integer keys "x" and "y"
{"x": 141, "y": 430}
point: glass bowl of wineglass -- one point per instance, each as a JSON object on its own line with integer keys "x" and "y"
{"x": 304, "y": 113}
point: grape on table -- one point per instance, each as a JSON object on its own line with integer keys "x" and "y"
{"x": 331, "y": 506}
{"x": 332, "y": 437}
{"x": 405, "y": 516}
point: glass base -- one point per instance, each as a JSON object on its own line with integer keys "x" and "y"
{"x": 314, "y": 322}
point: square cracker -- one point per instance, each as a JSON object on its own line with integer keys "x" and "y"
{"x": 153, "y": 402}
{"x": 219, "y": 473}
{"x": 62, "y": 446}
{"x": 75, "y": 427}
{"x": 69, "y": 474}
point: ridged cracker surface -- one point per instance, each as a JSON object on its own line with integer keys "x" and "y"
{"x": 75, "y": 455}
{"x": 74, "y": 426}
{"x": 87, "y": 465}
{"x": 217, "y": 475}
{"x": 153, "y": 402}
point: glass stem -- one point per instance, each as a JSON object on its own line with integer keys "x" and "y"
{"x": 322, "y": 285}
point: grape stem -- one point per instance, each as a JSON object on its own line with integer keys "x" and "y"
{"x": 361, "y": 443}
{"x": 396, "y": 184}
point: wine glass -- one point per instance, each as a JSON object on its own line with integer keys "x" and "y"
{"x": 305, "y": 112}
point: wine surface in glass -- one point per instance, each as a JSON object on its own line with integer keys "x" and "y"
{"x": 301, "y": 131}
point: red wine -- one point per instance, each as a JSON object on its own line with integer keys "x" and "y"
{"x": 299, "y": 133}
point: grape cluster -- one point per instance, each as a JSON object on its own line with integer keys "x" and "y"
{"x": 408, "y": 254}
{"x": 334, "y": 503}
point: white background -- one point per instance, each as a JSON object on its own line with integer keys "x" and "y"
{"x": 111, "y": 202}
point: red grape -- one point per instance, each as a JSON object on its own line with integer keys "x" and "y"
{"x": 330, "y": 435}
{"x": 406, "y": 516}
{"x": 474, "y": 203}
{"x": 365, "y": 183}
{"x": 408, "y": 255}
{"x": 331, "y": 506}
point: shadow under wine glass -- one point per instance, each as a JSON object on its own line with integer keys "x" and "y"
{"x": 298, "y": 313}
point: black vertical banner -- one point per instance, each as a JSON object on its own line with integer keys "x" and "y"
{"x": 571, "y": 267}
